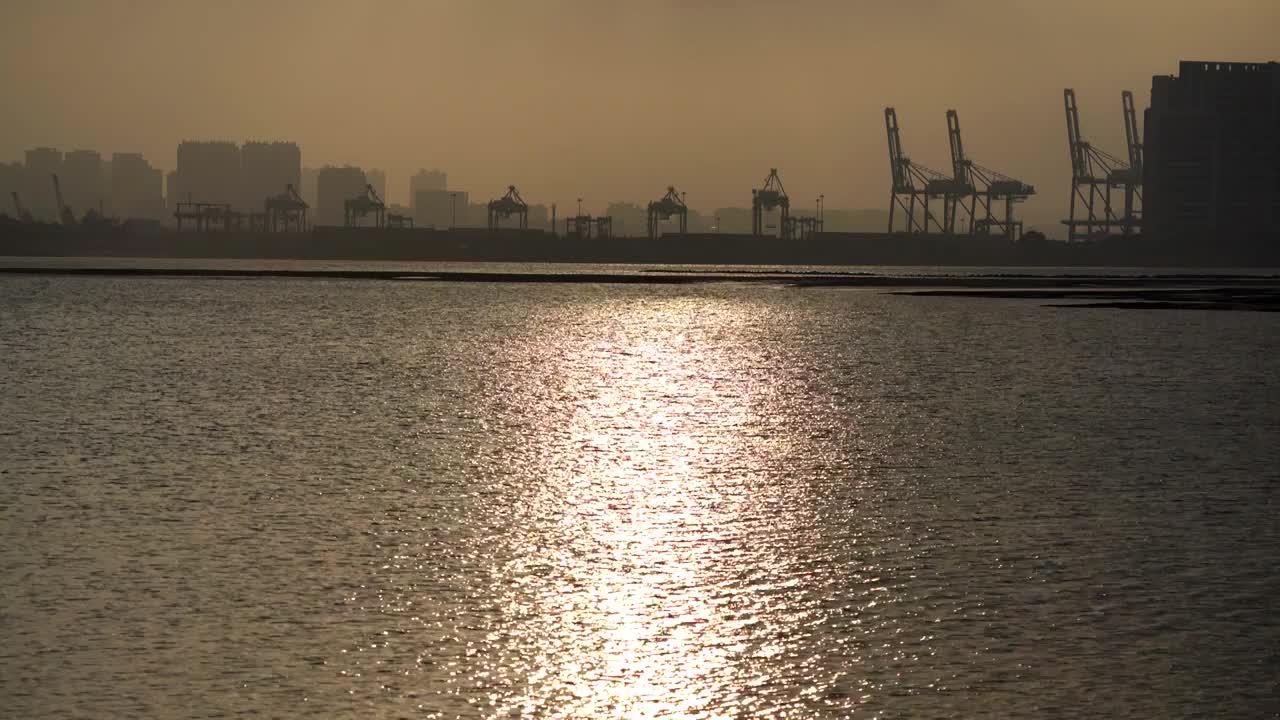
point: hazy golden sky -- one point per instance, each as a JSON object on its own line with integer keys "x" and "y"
{"x": 608, "y": 100}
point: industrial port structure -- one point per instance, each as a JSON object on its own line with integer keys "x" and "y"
{"x": 770, "y": 196}
{"x": 671, "y": 204}
{"x": 1095, "y": 173}
{"x": 1209, "y": 166}
{"x": 506, "y": 206}
{"x": 971, "y": 195}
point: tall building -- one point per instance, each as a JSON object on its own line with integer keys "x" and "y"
{"x": 1212, "y": 153}
{"x": 334, "y": 187}
{"x": 171, "y": 196}
{"x": 37, "y": 184}
{"x": 378, "y": 179}
{"x": 207, "y": 172}
{"x": 440, "y": 209}
{"x": 539, "y": 217}
{"x": 732, "y": 220}
{"x": 427, "y": 180}
{"x": 136, "y": 187}
{"x": 266, "y": 169}
{"x": 631, "y": 219}
{"x": 82, "y": 181}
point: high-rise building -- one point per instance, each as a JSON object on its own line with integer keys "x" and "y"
{"x": 334, "y": 187}
{"x": 208, "y": 172}
{"x": 266, "y": 169}
{"x": 440, "y": 209}
{"x": 136, "y": 187}
{"x": 37, "y": 185}
{"x": 732, "y": 220}
{"x": 426, "y": 181}
{"x": 1212, "y": 152}
{"x": 171, "y": 196}
{"x": 82, "y": 182}
{"x": 631, "y": 219}
{"x": 539, "y": 217}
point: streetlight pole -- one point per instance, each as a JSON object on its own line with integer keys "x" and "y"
{"x": 453, "y": 211}
{"x": 579, "y": 207}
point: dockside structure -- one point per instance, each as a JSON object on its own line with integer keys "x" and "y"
{"x": 1212, "y": 153}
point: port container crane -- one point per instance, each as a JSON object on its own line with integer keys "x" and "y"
{"x": 910, "y": 181}
{"x": 585, "y": 227}
{"x": 985, "y": 190}
{"x": 286, "y": 212}
{"x": 67, "y": 217}
{"x": 364, "y": 204}
{"x": 23, "y": 214}
{"x": 1133, "y": 187}
{"x": 506, "y": 206}
{"x": 771, "y": 196}
{"x": 1095, "y": 173}
{"x": 663, "y": 209}
{"x": 960, "y": 185}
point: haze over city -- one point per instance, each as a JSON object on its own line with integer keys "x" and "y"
{"x": 478, "y": 359}
{"x": 607, "y": 101}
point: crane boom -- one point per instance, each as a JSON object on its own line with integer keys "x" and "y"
{"x": 1131, "y": 133}
{"x": 23, "y": 215}
{"x": 57, "y": 192}
{"x": 897, "y": 161}
{"x": 959, "y": 165}
{"x": 64, "y": 212}
{"x": 1077, "y": 146}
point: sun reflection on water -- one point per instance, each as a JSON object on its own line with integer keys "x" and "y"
{"x": 647, "y": 594}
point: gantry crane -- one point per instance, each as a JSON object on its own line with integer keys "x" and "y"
{"x": 362, "y": 205}
{"x": 670, "y": 204}
{"x": 910, "y": 181}
{"x": 959, "y": 187}
{"x": 984, "y": 189}
{"x": 1095, "y": 173}
{"x": 506, "y": 206}
{"x": 767, "y": 198}
{"x": 67, "y": 217}
{"x": 585, "y": 227}
{"x": 1133, "y": 186}
{"x": 286, "y": 212}
{"x": 23, "y": 214}
{"x": 399, "y": 221}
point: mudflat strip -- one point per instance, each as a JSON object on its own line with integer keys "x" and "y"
{"x": 1247, "y": 298}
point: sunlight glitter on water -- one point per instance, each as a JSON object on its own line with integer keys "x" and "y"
{"x": 332, "y": 499}
{"x": 641, "y": 610}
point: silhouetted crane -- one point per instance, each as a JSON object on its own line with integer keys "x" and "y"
{"x": 1094, "y": 173}
{"x": 362, "y": 205}
{"x": 23, "y": 214}
{"x": 767, "y": 198}
{"x": 286, "y": 211}
{"x": 64, "y": 213}
{"x": 911, "y": 182}
{"x": 985, "y": 187}
{"x": 1133, "y": 186}
{"x": 670, "y": 204}
{"x": 506, "y": 206}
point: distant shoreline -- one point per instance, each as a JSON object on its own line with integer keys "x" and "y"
{"x": 532, "y": 246}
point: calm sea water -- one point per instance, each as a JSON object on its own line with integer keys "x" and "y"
{"x": 378, "y": 500}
